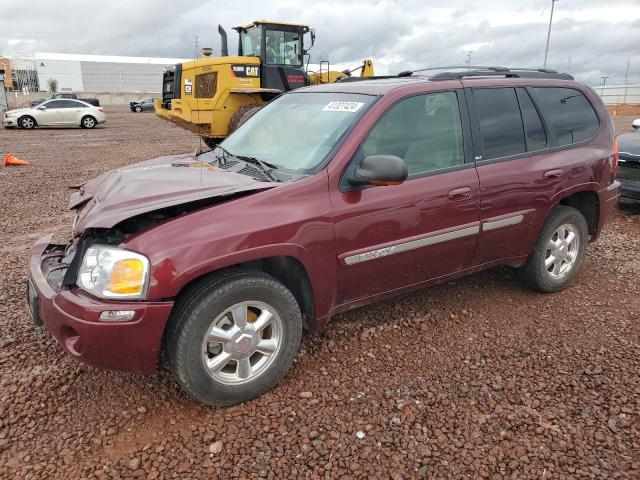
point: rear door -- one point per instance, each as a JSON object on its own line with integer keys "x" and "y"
{"x": 73, "y": 112}
{"x": 527, "y": 147}
{"x": 389, "y": 237}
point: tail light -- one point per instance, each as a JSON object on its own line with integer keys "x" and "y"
{"x": 101, "y": 109}
{"x": 614, "y": 160}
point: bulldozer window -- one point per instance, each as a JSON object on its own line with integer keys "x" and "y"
{"x": 251, "y": 42}
{"x": 284, "y": 48}
{"x": 206, "y": 85}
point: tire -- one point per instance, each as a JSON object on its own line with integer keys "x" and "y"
{"x": 88, "y": 122}
{"x": 211, "y": 142}
{"x": 242, "y": 115}
{"x": 207, "y": 305}
{"x": 27, "y": 122}
{"x": 550, "y": 268}
{"x": 138, "y": 109}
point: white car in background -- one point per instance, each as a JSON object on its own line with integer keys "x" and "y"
{"x": 56, "y": 113}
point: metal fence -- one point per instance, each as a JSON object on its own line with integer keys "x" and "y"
{"x": 619, "y": 94}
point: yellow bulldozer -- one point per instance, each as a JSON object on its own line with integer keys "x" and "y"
{"x": 212, "y": 96}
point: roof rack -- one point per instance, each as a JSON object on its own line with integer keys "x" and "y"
{"x": 483, "y": 71}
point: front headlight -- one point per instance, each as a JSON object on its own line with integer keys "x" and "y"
{"x": 111, "y": 272}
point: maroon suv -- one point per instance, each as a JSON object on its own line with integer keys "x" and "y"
{"x": 329, "y": 198}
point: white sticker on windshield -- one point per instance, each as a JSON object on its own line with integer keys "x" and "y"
{"x": 343, "y": 107}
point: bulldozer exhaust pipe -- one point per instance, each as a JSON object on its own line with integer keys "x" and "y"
{"x": 224, "y": 50}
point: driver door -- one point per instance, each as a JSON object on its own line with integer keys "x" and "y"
{"x": 390, "y": 237}
{"x": 51, "y": 114}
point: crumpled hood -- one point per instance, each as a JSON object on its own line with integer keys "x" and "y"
{"x": 152, "y": 185}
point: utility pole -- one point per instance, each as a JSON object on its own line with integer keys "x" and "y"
{"x": 604, "y": 82}
{"x": 569, "y": 63}
{"x": 546, "y": 49}
{"x": 626, "y": 80}
{"x": 468, "y": 61}
{"x": 196, "y": 54}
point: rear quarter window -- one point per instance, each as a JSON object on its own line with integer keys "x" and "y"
{"x": 570, "y": 116}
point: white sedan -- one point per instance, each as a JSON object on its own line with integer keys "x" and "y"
{"x": 56, "y": 113}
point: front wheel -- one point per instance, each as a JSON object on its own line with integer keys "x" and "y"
{"x": 27, "y": 122}
{"x": 559, "y": 251}
{"x": 233, "y": 338}
{"x": 138, "y": 109}
{"x": 88, "y": 122}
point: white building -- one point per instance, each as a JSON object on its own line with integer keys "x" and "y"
{"x": 100, "y": 73}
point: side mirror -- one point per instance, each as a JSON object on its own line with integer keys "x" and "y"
{"x": 636, "y": 124}
{"x": 380, "y": 170}
{"x": 42, "y": 107}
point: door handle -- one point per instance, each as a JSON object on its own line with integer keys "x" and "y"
{"x": 552, "y": 174}
{"x": 461, "y": 193}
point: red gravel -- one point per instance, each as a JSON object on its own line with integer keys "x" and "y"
{"x": 479, "y": 377}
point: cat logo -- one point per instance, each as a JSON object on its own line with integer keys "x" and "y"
{"x": 245, "y": 70}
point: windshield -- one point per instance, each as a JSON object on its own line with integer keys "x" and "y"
{"x": 298, "y": 130}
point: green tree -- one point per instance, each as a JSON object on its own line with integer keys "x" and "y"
{"x": 53, "y": 85}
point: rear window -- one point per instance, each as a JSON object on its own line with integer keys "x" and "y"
{"x": 571, "y": 117}
{"x": 533, "y": 128}
{"x": 500, "y": 122}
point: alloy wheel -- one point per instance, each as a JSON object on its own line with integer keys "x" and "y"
{"x": 562, "y": 251}
{"x": 242, "y": 342}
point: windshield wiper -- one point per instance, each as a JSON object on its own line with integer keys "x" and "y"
{"x": 265, "y": 167}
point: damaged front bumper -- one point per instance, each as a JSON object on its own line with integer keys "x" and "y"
{"x": 72, "y": 316}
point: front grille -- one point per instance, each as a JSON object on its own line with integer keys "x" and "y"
{"x": 629, "y": 156}
{"x": 626, "y": 172}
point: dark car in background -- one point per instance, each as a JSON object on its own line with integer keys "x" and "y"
{"x": 144, "y": 105}
{"x": 629, "y": 162}
{"x": 66, "y": 95}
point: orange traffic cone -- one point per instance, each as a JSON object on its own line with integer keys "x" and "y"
{"x": 10, "y": 159}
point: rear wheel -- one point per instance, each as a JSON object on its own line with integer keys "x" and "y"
{"x": 242, "y": 115}
{"x": 88, "y": 122}
{"x": 27, "y": 122}
{"x": 559, "y": 251}
{"x": 233, "y": 338}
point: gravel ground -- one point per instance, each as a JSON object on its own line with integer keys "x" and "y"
{"x": 478, "y": 377}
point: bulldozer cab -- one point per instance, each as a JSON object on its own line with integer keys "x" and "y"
{"x": 280, "y": 47}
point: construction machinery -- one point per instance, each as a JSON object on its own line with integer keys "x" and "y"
{"x": 212, "y": 96}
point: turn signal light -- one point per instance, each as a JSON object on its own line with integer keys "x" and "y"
{"x": 127, "y": 277}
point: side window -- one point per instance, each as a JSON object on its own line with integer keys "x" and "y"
{"x": 424, "y": 130}
{"x": 571, "y": 116}
{"x": 206, "y": 85}
{"x": 283, "y": 48}
{"x": 76, "y": 105}
{"x": 500, "y": 122}
{"x": 55, "y": 104}
{"x": 533, "y": 128}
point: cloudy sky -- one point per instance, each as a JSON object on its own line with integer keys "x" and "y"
{"x": 590, "y": 38}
